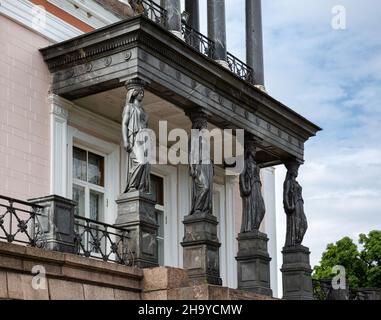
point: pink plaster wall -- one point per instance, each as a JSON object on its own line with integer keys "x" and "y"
{"x": 24, "y": 113}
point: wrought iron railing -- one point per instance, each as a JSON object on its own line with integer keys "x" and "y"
{"x": 20, "y": 222}
{"x": 101, "y": 241}
{"x": 154, "y": 12}
{"x": 240, "y": 68}
{"x": 198, "y": 41}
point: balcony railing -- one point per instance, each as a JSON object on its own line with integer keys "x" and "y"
{"x": 20, "y": 222}
{"x": 102, "y": 241}
{"x": 154, "y": 12}
{"x": 198, "y": 41}
{"x": 240, "y": 68}
{"x": 195, "y": 39}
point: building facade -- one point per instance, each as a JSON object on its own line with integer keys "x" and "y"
{"x": 65, "y": 71}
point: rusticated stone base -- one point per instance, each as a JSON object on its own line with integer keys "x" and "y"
{"x": 296, "y": 270}
{"x": 174, "y": 284}
{"x": 201, "y": 249}
{"x": 254, "y": 263}
{"x": 71, "y": 277}
{"x": 68, "y": 277}
{"x": 136, "y": 213}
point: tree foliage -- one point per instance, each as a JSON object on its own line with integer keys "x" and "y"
{"x": 363, "y": 266}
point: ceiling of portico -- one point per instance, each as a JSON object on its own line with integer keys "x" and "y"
{"x": 110, "y": 104}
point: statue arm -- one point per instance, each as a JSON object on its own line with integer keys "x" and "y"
{"x": 125, "y": 128}
{"x": 245, "y": 191}
{"x": 288, "y": 204}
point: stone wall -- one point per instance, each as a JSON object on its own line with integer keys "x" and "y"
{"x": 24, "y": 113}
{"x": 68, "y": 277}
{"x": 71, "y": 277}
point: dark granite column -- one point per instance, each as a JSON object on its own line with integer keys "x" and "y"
{"x": 217, "y": 29}
{"x": 174, "y": 16}
{"x": 192, "y": 7}
{"x": 254, "y": 41}
{"x": 201, "y": 245}
{"x": 253, "y": 258}
{"x": 296, "y": 268}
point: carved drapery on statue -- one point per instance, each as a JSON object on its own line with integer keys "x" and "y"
{"x": 253, "y": 205}
{"x": 201, "y": 167}
{"x": 135, "y": 139}
{"x": 294, "y": 207}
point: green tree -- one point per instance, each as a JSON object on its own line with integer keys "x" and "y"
{"x": 363, "y": 268}
{"x": 371, "y": 255}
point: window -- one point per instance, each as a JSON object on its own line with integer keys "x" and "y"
{"x": 88, "y": 184}
{"x": 157, "y": 186}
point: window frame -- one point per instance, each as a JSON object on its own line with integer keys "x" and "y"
{"x": 88, "y": 186}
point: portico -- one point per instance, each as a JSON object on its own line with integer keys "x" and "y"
{"x": 90, "y": 73}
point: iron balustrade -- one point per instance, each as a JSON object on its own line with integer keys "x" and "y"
{"x": 101, "y": 241}
{"x": 20, "y": 222}
{"x": 240, "y": 68}
{"x": 154, "y": 12}
{"x": 198, "y": 41}
{"x": 195, "y": 39}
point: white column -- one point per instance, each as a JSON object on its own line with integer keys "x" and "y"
{"x": 231, "y": 235}
{"x": 268, "y": 180}
{"x": 59, "y": 113}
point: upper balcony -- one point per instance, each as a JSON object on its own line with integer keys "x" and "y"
{"x": 181, "y": 71}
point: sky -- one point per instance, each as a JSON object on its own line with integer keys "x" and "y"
{"x": 332, "y": 77}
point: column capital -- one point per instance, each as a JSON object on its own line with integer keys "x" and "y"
{"x": 59, "y": 106}
{"x": 199, "y": 118}
{"x": 135, "y": 83}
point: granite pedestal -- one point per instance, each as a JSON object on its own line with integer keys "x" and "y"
{"x": 201, "y": 249}
{"x": 136, "y": 213}
{"x": 253, "y": 263}
{"x": 296, "y": 271}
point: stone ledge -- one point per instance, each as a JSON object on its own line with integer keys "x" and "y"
{"x": 69, "y": 267}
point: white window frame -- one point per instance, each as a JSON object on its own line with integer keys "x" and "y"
{"x": 110, "y": 152}
{"x": 171, "y": 216}
{"x": 90, "y": 186}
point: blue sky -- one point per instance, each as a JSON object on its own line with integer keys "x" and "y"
{"x": 333, "y": 77}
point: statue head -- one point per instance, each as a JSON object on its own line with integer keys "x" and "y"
{"x": 251, "y": 152}
{"x": 292, "y": 168}
{"x": 135, "y": 91}
{"x": 135, "y": 94}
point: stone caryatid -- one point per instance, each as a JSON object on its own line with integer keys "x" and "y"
{"x": 296, "y": 268}
{"x": 253, "y": 205}
{"x": 294, "y": 207}
{"x": 252, "y": 257}
{"x": 200, "y": 243}
{"x": 200, "y": 167}
{"x": 136, "y": 144}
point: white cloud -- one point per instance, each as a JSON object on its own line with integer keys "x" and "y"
{"x": 334, "y": 79}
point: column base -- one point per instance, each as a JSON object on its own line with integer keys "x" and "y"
{"x": 254, "y": 263}
{"x": 136, "y": 213}
{"x": 201, "y": 249}
{"x": 296, "y": 270}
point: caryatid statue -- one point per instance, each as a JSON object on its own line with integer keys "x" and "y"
{"x": 294, "y": 206}
{"x": 200, "y": 167}
{"x": 136, "y": 144}
{"x": 250, "y": 185}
